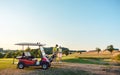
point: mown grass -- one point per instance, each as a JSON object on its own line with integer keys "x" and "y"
{"x": 77, "y": 60}
{"x": 87, "y": 61}
{"x": 7, "y": 63}
{"x": 11, "y": 69}
{"x": 88, "y": 58}
{"x": 84, "y": 58}
{"x": 92, "y": 55}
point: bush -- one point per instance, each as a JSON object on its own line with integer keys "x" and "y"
{"x": 116, "y": 57}
{"x": 8, "y": 55}
{"x": 1, "y": 55}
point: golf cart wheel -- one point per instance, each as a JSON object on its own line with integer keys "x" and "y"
{"x": 21, "y": 66}
{"x": 44, "y": 66}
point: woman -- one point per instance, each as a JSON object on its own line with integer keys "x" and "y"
{"x": 60, "y": 54}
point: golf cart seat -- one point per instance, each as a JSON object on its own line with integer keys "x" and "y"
{"x": 27, "y": 55}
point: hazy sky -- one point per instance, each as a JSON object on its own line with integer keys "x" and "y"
{"x": 76, "y": 24}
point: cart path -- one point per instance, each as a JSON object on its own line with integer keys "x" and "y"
{"x": 95, "y": 69}
{"x": 92, "y": 69}
{"x": 56, "y": 68}
{"x": 13, "y": 72}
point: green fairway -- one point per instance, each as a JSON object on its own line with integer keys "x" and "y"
{"x": 55, "y": 69}
{"x": 86, "y": 58}
{"x": 86, "y": 61}
{"x": 7, "y": 63}
{"x": 58, "y": 69}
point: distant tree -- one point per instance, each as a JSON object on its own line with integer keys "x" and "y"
{"x": 48, "y": 50}
{"x": 27, "y": 49}
{"x": 35, "y": 52}
{"x": 6, "y": 55}
{"x": 81, "y": 51}
{"x": 9, "y": 55}
{"x": 110, "y": 48}
{"x": 65, "y": 51}
{"x": 38, "y": 53}
{"x": 98, "y": 50}
{"x": 1, "y": 55}
{"x": 18, "y": 52}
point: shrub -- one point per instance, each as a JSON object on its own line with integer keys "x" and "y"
{"x": 116, "y": 57}
{"x": 1, "y": 55}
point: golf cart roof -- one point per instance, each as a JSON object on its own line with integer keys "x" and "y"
{"x": 30, "y": 44}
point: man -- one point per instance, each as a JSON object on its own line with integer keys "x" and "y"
{"x": 55, "y": 51}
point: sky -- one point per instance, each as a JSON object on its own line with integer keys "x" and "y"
{"x": 75, "y": 24}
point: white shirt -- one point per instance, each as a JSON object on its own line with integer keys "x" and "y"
{"x": 60, "y": 50}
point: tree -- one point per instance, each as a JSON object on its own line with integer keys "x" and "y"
{"x": 19, "y": 52}
{"x": 9, "y": 55}
{"x": 98, "y": 50}
{"x": 1, "y": 55}
{"x": 36, "y": 53}
{"x": 80, "y": 51}
{"x": 48, "y": 50}
{"x": 27, "y": 49}
{"x": 65, "y": 51}
{"x": 110, "y": 48}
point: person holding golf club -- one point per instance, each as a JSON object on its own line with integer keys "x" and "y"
{"x": 55, "y": 52}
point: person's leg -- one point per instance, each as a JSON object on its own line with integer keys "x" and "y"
{"x": 61, "y": 57}
{"x": 58, "y": 56}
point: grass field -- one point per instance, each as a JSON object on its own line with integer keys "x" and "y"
{"x": 7, "y": 63}
{"x": 58, "y": 69}
{"x": 89, "y": 58}
{"x": 84, "y": 58}
{"x": 8, "y": 68}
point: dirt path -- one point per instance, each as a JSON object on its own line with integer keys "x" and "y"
{"x": 13, "y": 72}
{"x": 96, "y": 69}
{"x": 66, "y": 69}
{"x": 92, "y": 69}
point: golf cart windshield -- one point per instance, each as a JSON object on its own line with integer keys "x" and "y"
{"x": 42, "y": 51}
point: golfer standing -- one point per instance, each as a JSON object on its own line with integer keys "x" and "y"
{"x": 55, "y": 51}
{"x": 60, "y": 54}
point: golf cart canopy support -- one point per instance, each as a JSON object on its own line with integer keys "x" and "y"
{"x": 30, "y": 44}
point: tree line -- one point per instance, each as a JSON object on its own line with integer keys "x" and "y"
{"x": 109, "y": 48}
{"x": 48, "y": 50}
{"x": 34, "y": 52}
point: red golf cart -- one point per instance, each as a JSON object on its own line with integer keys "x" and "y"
{"x": 27, "y": 60}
